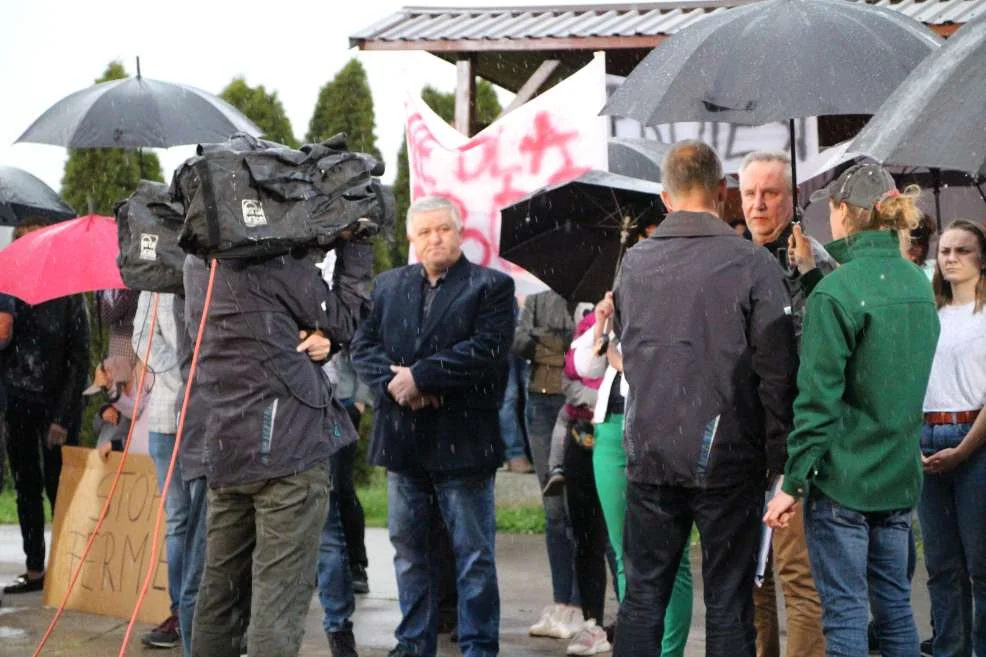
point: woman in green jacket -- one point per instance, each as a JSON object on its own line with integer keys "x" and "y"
{"x": 869, "y": 339}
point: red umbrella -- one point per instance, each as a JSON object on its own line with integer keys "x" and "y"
{"x": 57, "y": 261}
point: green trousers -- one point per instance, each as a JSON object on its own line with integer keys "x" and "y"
{"x": 609, "y": 462}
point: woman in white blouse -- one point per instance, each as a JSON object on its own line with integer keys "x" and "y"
{"x": 952, "y": 512}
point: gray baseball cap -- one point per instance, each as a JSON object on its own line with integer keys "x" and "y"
{"x": 861, "y": 185}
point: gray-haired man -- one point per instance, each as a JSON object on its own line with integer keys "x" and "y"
{"x": 767, "y": 198}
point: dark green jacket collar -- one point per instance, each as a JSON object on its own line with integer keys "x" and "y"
{"x": 872, "y": 243}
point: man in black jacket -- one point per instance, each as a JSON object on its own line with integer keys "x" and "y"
{"x": 44, "y": 368}
{"x": 269, "y": 424}
{"x": 434, "y": 354}
{"x": 709, "y": 355}
{"x": 767, "y": 195}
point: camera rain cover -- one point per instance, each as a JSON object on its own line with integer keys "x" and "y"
{"x": 248, "y": 198}
{"x": 149, "y": 222}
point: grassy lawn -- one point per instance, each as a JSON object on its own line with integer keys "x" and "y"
{"x": 8, "y": 507}
{"x": 511, "y": 519}
{"x": 373, "y": 495}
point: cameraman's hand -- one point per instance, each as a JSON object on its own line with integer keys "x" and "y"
{"x": 316, "y": 345}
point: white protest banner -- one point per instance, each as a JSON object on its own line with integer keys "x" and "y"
{"x": 553, "y": 138}
{"x": 732, "y": 142}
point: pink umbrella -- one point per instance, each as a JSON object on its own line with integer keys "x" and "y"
{"x": 68, "y": 258}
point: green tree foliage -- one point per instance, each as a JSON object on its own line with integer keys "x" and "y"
{"x": 263, "y": 108}
{"x": 105, "y": 175}
{"x": 345, "y": 104}
{"x": 487, "y": 109}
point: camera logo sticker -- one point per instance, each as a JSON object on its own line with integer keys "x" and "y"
{"x": 253, "y": 213}
{"x": 148, "y": 246}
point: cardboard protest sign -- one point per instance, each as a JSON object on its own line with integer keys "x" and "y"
{"x": 553, "y": 138}
{"x": 117, "y": 565}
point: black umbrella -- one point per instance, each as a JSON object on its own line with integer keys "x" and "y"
{"x": 935, "y": 117}
{"x": 775, "y": 60}
{"x": 137, "y": 113}
{"x": 571, "y": 236}
{"x": 24, "y": 196}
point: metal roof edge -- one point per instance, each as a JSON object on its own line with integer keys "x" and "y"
{"x": 630, "y": 6}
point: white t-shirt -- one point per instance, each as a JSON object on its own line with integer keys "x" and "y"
{"x": 958, "y": 374}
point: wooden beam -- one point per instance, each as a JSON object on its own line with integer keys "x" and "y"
{"x": 533, "y": 84}
{"x": 513, "y": 45}
{"x": 465, "y": 94}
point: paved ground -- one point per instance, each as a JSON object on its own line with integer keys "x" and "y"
{"x": 524, "y": 589}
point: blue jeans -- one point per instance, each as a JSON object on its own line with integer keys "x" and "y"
{"x": 465, "y": 502}
{"x": 542, "y": 412}
{"x": 859, "y": 562}
{"x": 194, "y": 563}
{"x": 335, "y": 584}
{"x": 511, "y": 429}
{"x": 953, "y": 522}
{"x": 160, "y": 446}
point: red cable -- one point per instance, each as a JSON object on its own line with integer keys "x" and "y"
{"x": 116, "y": 479}
{"x": 156, "y": 543}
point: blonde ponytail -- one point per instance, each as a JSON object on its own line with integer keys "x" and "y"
{"x": 896, "y": 211}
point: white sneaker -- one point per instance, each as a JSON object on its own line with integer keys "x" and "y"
{"x": 590, "y": 640}
{"x": 568, "y": 622}
{"x": 545, "y": 626}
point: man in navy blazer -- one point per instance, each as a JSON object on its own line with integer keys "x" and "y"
{"x": 434, "y": 353}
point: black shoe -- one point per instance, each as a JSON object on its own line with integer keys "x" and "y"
{"x": 927, "y": 649}
{"x": 342, "y": 644}
{"x": 360, "y": 582}
{"x": 400, "y": 651}
{"x": 165, "y": 635}
{"x": 25, "y": 584}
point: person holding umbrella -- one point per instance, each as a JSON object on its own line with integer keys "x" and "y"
{"x": 766, "y": 192}
{"x": 869, "y": 338}
{"x": 44, "y": 370}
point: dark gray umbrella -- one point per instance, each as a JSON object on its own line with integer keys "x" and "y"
{"x": 137, "y": 113}
{"x": 775, "y": 60}
{"x": 24, "y": 196}
{"x": 935, "y": 117}
{"x": 827, "y": 165}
